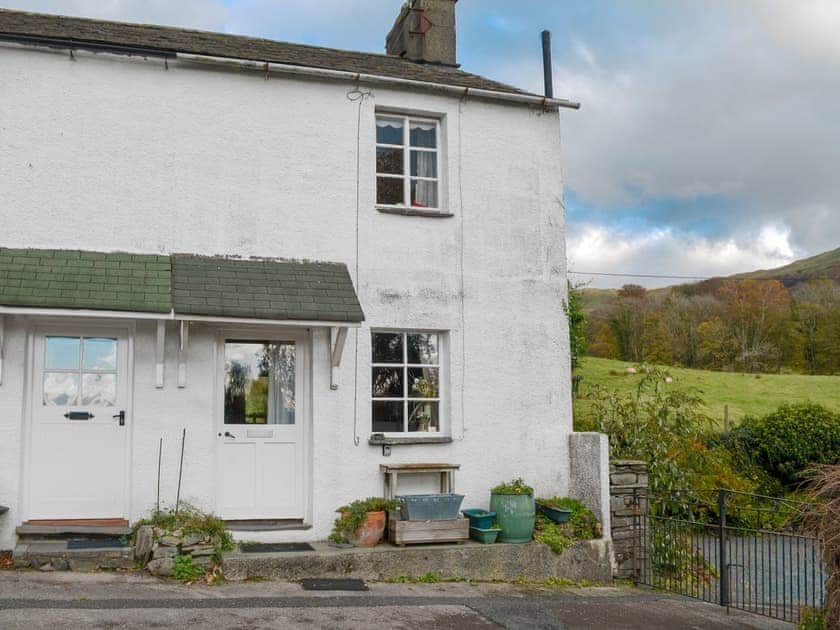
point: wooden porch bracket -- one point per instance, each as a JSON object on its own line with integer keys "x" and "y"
{"x": 182, "y": 353}
{"x": 160, "y": 353}
{"x": 338, "y": 337}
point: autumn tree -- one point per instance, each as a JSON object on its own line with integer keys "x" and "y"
{"x": 627, "y": 321}
{"x": 755, "y": 314}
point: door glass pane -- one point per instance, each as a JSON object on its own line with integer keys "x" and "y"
{"x": 99, "y": 389}
{"x": 388, "y": 416}
{"x": 387, "y": 348}
{"x": 259, "y": 383}
{"x": 60, "y": 389}
{"x": 423, "y": 416}
{"x": 99, "y": 354}
{"x": 423, "y": 348}
{"x": 62, "y": 353}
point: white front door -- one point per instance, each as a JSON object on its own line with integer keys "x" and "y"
{"x": 80, "y": 430}
{"x": 259, "y": 437}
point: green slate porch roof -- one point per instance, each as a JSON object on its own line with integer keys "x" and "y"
{"x": 179, "y": 285}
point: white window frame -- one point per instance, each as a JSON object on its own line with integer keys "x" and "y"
{"x": 406, "y": 399}
{"x": 406, "y": 176}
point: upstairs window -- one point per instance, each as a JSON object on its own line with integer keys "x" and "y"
{"x": 407, "y": 162}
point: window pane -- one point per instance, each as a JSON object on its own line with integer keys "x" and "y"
{"x": 387, "y": 382}
{"x": 62, "y": 353}
{"x": 423, "y": 416}
{"x": 100, "y": 354}
{"x": 389, "y": 130}
{"x": 424, "y": 194}
{"x": 389, "y": 160}
{"x": 423, "y": 383}
{"x": 387, "y": 347}
{"x": 424, "y": 164}
{"x": 423, "y": 134}
{"x": 99, "y": 389}
{"x": 60, "y": 389}
{"x": 388, "y": 416}
{"x": 389, "y": 190}
{"x": 259, "y": 383}
{"x": 423, "y": 348}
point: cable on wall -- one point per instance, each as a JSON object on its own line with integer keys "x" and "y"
{"x": 461, "y": 269}
{"x": 359, "y": 96}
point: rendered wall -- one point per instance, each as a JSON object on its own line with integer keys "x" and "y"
{"x": 110, "y": 153}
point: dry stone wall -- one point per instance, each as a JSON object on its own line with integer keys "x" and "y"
{"x": 628, "y": 493}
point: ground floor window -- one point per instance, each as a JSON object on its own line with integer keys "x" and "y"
{"x": 405, "y": 393}
{"x": 259, "y": 382}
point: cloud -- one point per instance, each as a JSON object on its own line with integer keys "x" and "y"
{"x": 664, "y": 251}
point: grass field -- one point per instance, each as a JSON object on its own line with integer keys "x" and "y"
{"x": 746, "y": 394}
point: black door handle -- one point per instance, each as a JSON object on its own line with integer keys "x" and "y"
{"x": 121, "y": 416}
{"x": 228, "y": 434}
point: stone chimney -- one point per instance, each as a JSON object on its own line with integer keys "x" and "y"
{"x": 424, "y": 31}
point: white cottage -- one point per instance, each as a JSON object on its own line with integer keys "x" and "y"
{"x": 307, "y": 261}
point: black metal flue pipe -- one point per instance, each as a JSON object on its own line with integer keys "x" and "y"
{"x": 546, "y": 50}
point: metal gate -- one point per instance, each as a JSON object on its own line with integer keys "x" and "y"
{"x": 745, "y": 551}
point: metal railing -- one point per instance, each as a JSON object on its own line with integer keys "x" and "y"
{"x": 745, "y": 551}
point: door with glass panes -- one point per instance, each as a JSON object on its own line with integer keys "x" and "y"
{"x": 259, "y": 437}
{"x": 80, "y": 425}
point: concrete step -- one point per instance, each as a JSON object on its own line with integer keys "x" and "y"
{"x": 586, "y": 560}
{"x": 72, "y": 531}
{"x": 55, "y": 556}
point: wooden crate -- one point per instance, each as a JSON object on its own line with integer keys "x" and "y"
{"x": 416, "y": 532}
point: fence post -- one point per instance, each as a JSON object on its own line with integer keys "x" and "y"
{"x": 723, "y": 565}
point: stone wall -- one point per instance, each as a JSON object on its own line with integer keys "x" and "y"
{"x": 628, "y": 491}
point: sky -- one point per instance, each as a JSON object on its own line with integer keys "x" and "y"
{"x": 708, "y": 141}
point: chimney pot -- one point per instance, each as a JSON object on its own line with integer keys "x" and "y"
{"x": 424, "y": 31}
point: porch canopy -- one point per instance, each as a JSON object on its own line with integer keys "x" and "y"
{"x": 180, "y": 287}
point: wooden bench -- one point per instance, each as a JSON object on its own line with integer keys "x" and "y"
{"x": 402, "y": 532}
{"x": 392, "y": 473}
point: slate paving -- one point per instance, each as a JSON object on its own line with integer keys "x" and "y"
{"x": 105, "y": 600}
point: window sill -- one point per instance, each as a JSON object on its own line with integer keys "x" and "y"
{"x": 383, "y": 440}
{"x": 415, "y": 212}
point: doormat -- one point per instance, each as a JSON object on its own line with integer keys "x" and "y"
{"x": 274, "y": 547}
{"x": 97, "y": 543}
{"x": 333, "y": 584}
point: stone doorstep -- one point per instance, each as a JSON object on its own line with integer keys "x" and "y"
{"x": 56, "y": 556}
{"x": 88, "y": 530}
{"x": 585, "y": 560}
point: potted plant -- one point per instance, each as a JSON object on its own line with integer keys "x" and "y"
{"x": 513, "y": 503}
{"x": 362, "y": 522}
{"x": 555, "y": 509}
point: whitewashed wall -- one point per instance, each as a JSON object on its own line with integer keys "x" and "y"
{"x": 110, "y": 153}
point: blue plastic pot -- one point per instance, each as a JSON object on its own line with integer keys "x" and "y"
{"x": 481, "y": 519}
{"x": 430, "y": 507}
{"x": 558, "y": 515}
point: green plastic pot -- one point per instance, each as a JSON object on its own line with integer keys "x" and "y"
{"x": 516, "y": 515}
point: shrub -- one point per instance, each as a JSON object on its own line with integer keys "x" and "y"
{"x": 582, "y": 525}
{"x": 792, "y": 438}
{"x": 353, "y": 515}
{"x": 826, "y": 490}
{"x": 516, "y": 486}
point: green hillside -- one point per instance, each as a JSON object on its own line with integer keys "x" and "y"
{"x": 746, "y": 394}
{"x": 825, "y": 265}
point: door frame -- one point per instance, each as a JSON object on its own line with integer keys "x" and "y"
{"x": 71, "y": 326}
{"x": 303, "y": 361}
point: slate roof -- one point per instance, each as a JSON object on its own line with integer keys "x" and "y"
{"x": 263, "y": 289}
{"x": 175, "y": 40}
{"x": 85, "y": 280}
{"x": 183, "y": 283}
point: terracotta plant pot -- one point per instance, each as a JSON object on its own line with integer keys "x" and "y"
{"x": 369, "y": 533}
